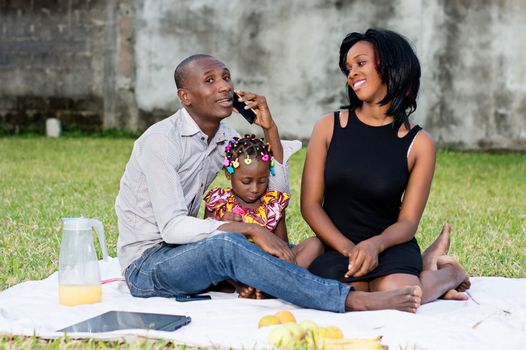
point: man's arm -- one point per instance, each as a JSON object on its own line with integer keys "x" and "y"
{"x": 159, "y": 160}
{"x": 282, "y": 150}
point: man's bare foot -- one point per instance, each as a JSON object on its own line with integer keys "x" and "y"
{"x": 462, "y": 278}
{"x": 439, "y": 247}
{"x": 404, "y": 299}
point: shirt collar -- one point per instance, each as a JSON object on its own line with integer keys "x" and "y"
{"x": 190, "y": 128}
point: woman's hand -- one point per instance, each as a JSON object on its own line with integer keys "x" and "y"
{"x": 363, "y": 258}
{"x": 271, "y": 243}
{"x": 259, "y": 104}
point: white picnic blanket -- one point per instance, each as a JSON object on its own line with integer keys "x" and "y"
{"x": 493, "y": 318}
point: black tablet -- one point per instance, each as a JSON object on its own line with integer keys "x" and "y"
{"x": 118, "y": 320}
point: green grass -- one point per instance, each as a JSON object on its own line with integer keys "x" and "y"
{"x": 43, "y": 180}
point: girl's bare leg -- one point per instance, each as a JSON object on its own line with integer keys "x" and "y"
{"x": 307, "y": 251}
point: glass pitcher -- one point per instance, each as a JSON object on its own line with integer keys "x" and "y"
{"x": 78, "y": 271}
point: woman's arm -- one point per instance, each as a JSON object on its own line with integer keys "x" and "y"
{"x": 422, "y": 166}
{"x": 313, "y": 187}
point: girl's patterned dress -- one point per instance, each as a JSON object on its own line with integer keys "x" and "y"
{"x": 272, "y": 204}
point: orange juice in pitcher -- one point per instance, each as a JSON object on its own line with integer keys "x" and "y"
{"x": 71, "y": 294}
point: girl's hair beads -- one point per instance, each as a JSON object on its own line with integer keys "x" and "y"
{"x": 250, "y": 148}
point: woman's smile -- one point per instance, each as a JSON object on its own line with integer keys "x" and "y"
{"x": 357, "y": 84}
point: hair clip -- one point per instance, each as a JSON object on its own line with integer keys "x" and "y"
{"x": 226, "y": 162}
{"x": 230, "y": 169}
{"x": 235, "y": 164}
{"x": 264, "y": 157}
{"x": 272, "y": 171}
{"x": 247, "y": 160}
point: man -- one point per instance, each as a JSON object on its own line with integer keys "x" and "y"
{"x": 165, "y": 250}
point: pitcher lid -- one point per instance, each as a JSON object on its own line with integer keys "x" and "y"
{"x": 81, "y": 223}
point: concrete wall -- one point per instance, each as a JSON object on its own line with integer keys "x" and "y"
{"x": 67, "y": 59}
{"x": 473, "y": 93}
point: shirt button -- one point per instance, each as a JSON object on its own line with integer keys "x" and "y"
{"x": 201, "y": 185}
{"x": 202, "y": 138}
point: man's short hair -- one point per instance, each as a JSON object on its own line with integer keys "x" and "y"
{"x": 180, "y": 71}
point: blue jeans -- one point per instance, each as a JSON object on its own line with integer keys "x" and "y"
{"x": 168, "y": 270}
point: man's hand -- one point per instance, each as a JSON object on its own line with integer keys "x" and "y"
{"x": 271, "y": 243}
{"x": 259, "y": 104}
{"x": 363, "y": 258}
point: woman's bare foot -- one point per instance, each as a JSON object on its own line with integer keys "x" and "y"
{"x": 453, "y": 294}
{"x": 464, "y": 282}
{"x": 404, "y": 299}
{"x": 439, "y": 247}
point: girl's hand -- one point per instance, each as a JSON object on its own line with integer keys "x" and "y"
{"x": 259, "y": 104}
{"x": 232, "y": 217}
{"x": 363, "y": 258}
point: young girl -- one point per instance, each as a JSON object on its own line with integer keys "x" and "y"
{"x": 248, "y": 164}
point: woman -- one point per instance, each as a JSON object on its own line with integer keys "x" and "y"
{"x": 368, "y": 173}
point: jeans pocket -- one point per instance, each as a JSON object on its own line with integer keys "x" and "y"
{"x": 137, "y": 284}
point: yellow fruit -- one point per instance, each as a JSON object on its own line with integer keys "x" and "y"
{"x": 321, "y": 332}
{"x": 281, "y": 337}
{"x": 268, "y": 320}
{"x": 333, "y": 332}
{"x": 297, "y": 331}
{"x": 285, "y": 316}
{"x": 308, "y": 325}
{"x": 348, "y": 344}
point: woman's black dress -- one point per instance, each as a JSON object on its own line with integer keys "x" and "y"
{"x": 366, "y": 175}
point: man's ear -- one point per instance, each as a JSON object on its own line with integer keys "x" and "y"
{"x": 184, "y": 96}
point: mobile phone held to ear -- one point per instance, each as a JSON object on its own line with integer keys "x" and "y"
{"x": 248, "y": 114}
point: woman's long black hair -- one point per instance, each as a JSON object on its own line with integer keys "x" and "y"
{"x": 398, "y": 67}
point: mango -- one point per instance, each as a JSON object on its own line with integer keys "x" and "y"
{"x": 268, "y": 320}
{"x": 285, "y": 316}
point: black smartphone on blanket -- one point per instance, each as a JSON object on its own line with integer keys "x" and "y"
{"x": 119, "y": 320}
{"x": 248, "y": 114}
{"x": 192, "y": 297}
